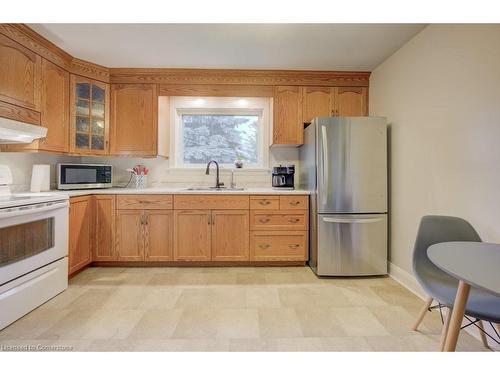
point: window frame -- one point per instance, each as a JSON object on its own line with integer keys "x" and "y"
{"x": 237, "y": 106}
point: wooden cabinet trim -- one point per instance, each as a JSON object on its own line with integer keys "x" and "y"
{"x": 211, "y": 202}
{"x": 145, "y": 201}
{"x": 220, "y": 90}
{"x": 17, "y": 113}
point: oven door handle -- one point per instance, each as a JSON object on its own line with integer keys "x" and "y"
{"x": 34, "y": 209}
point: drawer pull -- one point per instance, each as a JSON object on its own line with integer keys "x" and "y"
{"x": 264, "y": 246}
{"x": 264, "y": 220}
{"x": 265, "y": 203}
{"x": 294, "y": 246}
{"x": 294, "y": 220}
{"x": 295, "y": 203}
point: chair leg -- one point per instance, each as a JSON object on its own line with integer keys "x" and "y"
{"x": 484, "y": 340}
{"x": 444, "y": 331}
{"x": 421, "y": 315}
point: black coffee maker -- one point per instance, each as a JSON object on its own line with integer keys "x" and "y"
{"x": 283, "y": 177}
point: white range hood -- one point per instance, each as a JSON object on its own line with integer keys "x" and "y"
{"x": 12, "y": 131}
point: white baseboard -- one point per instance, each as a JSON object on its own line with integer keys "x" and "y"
{"x": 407, "y": 280}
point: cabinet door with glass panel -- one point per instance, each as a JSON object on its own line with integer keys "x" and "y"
{"x": 89, "y": 116}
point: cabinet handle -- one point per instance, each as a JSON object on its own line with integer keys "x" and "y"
{"x": 264, "y": 246}
{"x": 294, "y": 220}
{"x": 265, "y": 203}
{"x": 209, "y": 219}
{"x": 213, "y": 219}
{"x": 295, "y": 203}
{"x": 264, "y": 220}
{"x": 293, "y": 246}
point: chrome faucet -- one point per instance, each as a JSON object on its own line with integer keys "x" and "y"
{"x": 218, "y": 184}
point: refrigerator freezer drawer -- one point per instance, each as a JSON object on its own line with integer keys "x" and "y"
{"x": 352, "y": 245}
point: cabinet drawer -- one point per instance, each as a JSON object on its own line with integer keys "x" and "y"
{"x": 279, "y": 220}
{"x": 284, "y": 245}
{"x": 293, "y": 202}
{"x": 265, "y": 202}
{"x": 150, "y": 202}
{"x": 211, "y": 202}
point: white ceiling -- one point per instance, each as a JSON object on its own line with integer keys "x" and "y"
{"x": 238, "y": 46}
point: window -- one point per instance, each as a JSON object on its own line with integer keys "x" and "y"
{"x": 223, "y": 137}
{"x": 222, "y": 129}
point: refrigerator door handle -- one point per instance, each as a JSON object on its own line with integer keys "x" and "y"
{"x": 351, "y": 221}
{"x": 324, "y": 163}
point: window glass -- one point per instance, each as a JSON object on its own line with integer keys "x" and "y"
{"x": 222, "y": 137}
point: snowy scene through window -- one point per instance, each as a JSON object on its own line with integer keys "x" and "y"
{"x": 223, "y": 137}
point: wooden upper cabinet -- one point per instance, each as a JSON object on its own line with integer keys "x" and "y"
{"x": 20, "y": 74}
{"x": 192, "y": 235}
{"x": 134, "y": 115}
{"x": 350, "y": 101}
{"x": 81, "y": 232}
{"x": 334, "y": 101}
{"x": 316, "y": 102}
{"x": 288, "y": 125}
{"x": 89, "y": 108}
{"x": 230, "y": 235}
{"x": 55, "y": 107}
{"x": 104, "y": 247}
{"x": 158, "y": 235}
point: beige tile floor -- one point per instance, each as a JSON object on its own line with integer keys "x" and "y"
{"x": 228, "y": 309}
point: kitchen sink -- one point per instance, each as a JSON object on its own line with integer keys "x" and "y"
{"x": 214, "y": 189}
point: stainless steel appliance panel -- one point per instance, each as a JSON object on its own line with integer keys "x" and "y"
{"x": 351, "y": 164}
{"x": 351, "y": 245}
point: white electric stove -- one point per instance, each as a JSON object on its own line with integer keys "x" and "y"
{"x": 33, "y": 249}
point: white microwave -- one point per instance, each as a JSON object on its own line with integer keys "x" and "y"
{"x": 84, "y": 176}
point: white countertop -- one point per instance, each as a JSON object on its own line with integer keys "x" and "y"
{"x": 178, "y": 190}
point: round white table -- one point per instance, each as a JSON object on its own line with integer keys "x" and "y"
{"x": 472, "y": 263}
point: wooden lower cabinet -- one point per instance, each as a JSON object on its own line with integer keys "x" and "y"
{"x": 158, "y": 235}
{"x": 230, "y": 232}
{"x": 129, "y": 235}
{"x": 144, "y": 235}
{"x": 104, "y": 247}
{"x": 81, "y": 232}
{"x": 278, "y": 245}
{"x": 102, "y": 229}
{"x": 192, "y": 235}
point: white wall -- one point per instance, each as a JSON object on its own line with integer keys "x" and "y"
{"x": 161, "y": 174}
{"x": 441, "y": 95}
{"x": 21, "y": 164}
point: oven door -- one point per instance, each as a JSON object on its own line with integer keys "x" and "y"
{"x": 31, "y": 237}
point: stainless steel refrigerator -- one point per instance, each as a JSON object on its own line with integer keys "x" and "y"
{"x": 343, "y": 162}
